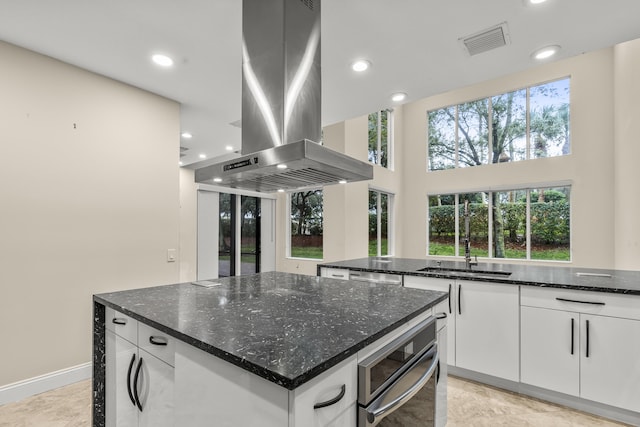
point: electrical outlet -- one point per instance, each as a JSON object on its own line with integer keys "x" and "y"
{"x": 171, "y": 255}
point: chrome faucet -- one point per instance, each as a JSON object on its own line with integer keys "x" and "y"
{"x": 467, "y": 238}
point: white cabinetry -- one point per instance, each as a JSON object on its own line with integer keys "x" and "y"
{"x": 601, "y": 329}
{"x": 139, "y": 373}
{"x": 209, "y": 388}
{"x": 447, "y": 306}
{"x": 484, "y": 326}
{"x": 334, "y": 273}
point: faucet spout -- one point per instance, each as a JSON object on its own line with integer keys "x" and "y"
{"x": 467, "y": 238}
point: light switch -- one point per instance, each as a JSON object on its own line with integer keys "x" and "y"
{"x": 171, "y": 255}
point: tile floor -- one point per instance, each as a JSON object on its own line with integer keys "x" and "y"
{"x": 470, "y": 405}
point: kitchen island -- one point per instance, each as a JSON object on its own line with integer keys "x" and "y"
{"x": 271, "y": 336}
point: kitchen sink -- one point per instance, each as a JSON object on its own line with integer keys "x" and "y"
{"x": 467, "y": 272}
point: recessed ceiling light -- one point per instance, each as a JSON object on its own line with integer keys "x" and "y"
{"x": 536, "y": 1}
{"x": 280, "y": 190}
{"x": 397, "y": 97}
{"x": 342, "y": 181}
{"x": 162, "y": 60}
{"x": 545, "y": 52}
{"x": 282, "y": 166}
{"x": 186, "y": 135}
{"x": 180, "y": 163}
{"x": 217, "y": 179}
{"x": 360, "y": 65}
{"x": 203, "y": 156}
{"x": 229, "y": 148}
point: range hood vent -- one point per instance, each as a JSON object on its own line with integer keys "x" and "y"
{"x": 281, "y": 93}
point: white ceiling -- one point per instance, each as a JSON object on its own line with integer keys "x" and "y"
{"x": 412, "y": 44}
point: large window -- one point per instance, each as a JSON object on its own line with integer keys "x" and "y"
{"x": 380, "y": 208}
{"x": 520, "y": 125}
{"x": 531, "y": 224}
{"x": 306, "y": 224}
{"x": 381, "y": 138}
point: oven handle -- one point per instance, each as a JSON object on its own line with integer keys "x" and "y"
{"x": 374, "y": 411}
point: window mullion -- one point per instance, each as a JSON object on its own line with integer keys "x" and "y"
{"x": 528, "y": 219}
{"x": 379, "y": 223}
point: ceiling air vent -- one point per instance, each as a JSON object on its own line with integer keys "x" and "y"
{"x": 485, "y": 40}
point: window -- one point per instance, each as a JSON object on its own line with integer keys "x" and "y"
{"x": 380, "y": 138}
{"x": 529, "y": 224}
{"x": 380, "y": 208}
{"x": 306, "y": 224}
{"x": 249, "y": 239}
{"x": 524, "y": 124}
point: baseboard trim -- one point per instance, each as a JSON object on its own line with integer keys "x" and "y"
{"x": 32, "y": 386}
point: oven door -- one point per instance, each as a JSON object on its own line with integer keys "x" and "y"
{"x": 409, "y": 400}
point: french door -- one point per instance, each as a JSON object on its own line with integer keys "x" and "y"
{"x": 239, "y": 235}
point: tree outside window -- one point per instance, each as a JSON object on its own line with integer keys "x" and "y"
{"x": 525, "y": 124}
{"x": 306, "y": 224}
{"x": 380, "y": 130}
{"x": 379, "y": 219}
{"x": 530, "y": 224}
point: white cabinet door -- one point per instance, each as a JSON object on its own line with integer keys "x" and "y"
{"x": 121, "y": 359}
{"x": 447, "y": 306}
{"x": 550, "y": 349}
{"x": 488, "y": 329}
{"x": 155, "y": 392}
{"x": 610, "y": 370}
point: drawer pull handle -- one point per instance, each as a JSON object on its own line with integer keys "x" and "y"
{"x": 333, "y": 401}
{"x": 135, "y": 384}
{"x": 580, "y": 302}
{"x": 339, "y": 275}
{"x": 119, "y": 321}
{"x": 158, "y": 340}
{"x": 572, "y": 334}
{"x": 441, "y": 315}
{"x": 587, "y": 338}
{"x": 133, "y": 359}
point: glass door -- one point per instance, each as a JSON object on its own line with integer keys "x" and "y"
{"x": 239, "y": 235}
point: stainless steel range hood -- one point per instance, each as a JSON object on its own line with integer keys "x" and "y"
{"x": 281, "y": 105}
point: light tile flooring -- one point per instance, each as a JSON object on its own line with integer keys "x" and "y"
{"x": 470, "y": 405}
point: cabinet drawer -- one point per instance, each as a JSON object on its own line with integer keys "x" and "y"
{"x": 158, "y": 343}
{"x": 324, "y": 388}
{"x": 602, "y": 303}
{"x": 335, "y": 273}
{"x": 121, "y": 324}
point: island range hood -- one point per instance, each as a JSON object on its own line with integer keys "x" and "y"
{"x": 281, "y": 105}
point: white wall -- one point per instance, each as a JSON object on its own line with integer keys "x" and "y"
{"x": 627, "y": 155}
{"x": 89, "y": 203}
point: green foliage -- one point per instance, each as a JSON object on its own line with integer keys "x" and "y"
{"x": 550, "y": 221}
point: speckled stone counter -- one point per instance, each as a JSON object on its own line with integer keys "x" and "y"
{"x": 584, "y": 279}
{"x": 284, "y": 327}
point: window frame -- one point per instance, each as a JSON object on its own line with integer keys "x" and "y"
{"x": 288, "y": 245}
{"x": 390, "y": 138}
{"x": 489, "y": 99}
{"x": 528, "y": 188}
{"x": 390, "y": 221}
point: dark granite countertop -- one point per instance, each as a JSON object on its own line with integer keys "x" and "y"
{"x": 287, "y": 328}
{"x": 584, "y": 279}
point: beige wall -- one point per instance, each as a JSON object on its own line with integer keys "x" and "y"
{"x": 627, "y": 155}
{"x": 89, "y": 204}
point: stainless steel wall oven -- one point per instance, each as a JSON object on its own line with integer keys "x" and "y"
{"x": 397, "y": 384}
